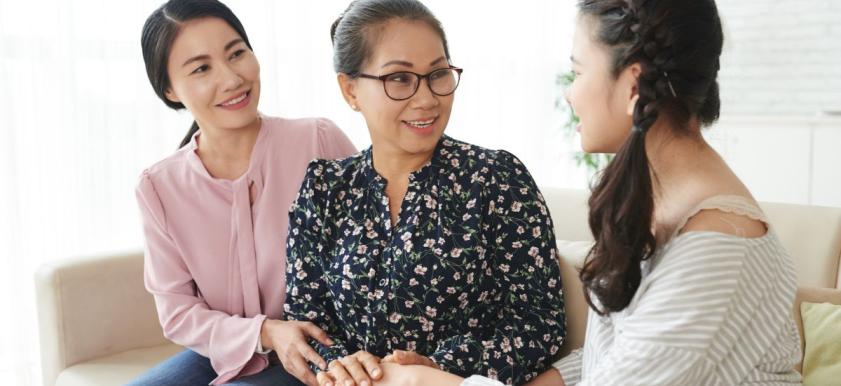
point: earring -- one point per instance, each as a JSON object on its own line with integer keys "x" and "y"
{"x": 354, "y": 107}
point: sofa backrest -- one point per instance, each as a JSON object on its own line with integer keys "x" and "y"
{"x": 811, "y": 234}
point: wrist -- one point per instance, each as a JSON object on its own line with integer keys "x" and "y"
{"x": 265, "y": 334}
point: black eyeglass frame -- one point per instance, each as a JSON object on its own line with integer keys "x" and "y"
{"x": 419, "y": 77}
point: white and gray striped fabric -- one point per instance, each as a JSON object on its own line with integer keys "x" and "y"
{"x": 712, "y": 309}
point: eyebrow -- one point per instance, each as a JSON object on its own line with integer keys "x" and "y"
{"x": 407, "y": 64}
{"x": 205, "y": 56}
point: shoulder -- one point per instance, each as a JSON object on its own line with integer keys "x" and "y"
{"x": 167, "y": 169}
{"x": 334, "y": 171}
{"x": 725, "y": 222}
{"x": 319, "y": 134}
{"x": 477, "y": 159}
{"x": 282, "y": 128}
{"x": 312, "y": 126}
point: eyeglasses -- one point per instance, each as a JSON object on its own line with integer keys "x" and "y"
{"x": 403, "y": 85}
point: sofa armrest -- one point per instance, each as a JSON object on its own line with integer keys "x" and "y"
{"x": 90, "y": 307}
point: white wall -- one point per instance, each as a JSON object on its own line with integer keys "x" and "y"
{"x": 780, "y": 85}
{"x": 784, "y": 159}
{"x": 781, "y": 57}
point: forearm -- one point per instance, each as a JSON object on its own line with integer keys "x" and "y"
{"x": 549, "y": 377}
{"x": 416, "y": 375}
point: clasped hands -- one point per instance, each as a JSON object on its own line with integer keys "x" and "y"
{"x": 363, "y": 369}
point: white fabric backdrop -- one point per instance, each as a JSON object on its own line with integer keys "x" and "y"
{"x": 79, "y": 120}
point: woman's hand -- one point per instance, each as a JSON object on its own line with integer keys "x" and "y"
{"x": 290, "y": 340}
{"x": 416, "y": 375}
{"x": 409, "y": 358}
{"x": 359, "y": 369}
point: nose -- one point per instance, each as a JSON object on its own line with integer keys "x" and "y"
{"x": 230, "y": 78}
{"x": 424, "y": 99}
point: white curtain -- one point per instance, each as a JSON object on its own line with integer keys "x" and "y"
{"x": 79, "y": 120}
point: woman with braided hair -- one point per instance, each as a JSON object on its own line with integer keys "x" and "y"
{"x": 687, "y": 281}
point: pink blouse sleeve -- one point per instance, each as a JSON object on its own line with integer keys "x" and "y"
{"x": 229, "y": 341}
{"x": 332, "y": 141}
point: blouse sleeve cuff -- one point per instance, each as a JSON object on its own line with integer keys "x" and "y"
{"x": 478, "y": 380}
{"x": 570, "y": 368}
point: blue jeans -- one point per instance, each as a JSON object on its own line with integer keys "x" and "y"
{"x": 190, "y": 369}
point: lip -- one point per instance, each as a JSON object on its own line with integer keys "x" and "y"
{"x": 422, "y": 131}
{"x": 239, "y": 105}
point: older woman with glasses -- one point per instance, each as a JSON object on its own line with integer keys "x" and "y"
{"x": 421, "y": 249}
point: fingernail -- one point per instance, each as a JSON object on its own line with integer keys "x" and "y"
{"x": 330, "y": 341}
{"x": 348, "y": 383}
{"x": 329, "y": 383}
{"x": 376, "y": 372}
{"x": 365, "y": 383}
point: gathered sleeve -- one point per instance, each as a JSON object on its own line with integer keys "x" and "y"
{"x": 307, "y": 293}
{"x": 228, "y": 341}
{"x": 531, "y": 326}
{"x": 332, "y": 141}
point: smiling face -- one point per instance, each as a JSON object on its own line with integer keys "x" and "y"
{"x": 412, "y": 126}
{"x": 603, "y": 102}
{"x": 214, "y": 74}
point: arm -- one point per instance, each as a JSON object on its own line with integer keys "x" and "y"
{"x": 229, "y": 341}
{"x": 563, "y": 369}
{"x": 674, "y": 336}
{"x": 307, "y": 292}
{"x": 332, "y": 141}
{"x": 531, "y": 328}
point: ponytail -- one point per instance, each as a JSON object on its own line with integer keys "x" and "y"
{"x": 190, "y": 133}
{"x": 677, "y": 45}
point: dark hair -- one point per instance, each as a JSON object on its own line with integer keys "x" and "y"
{"x": 677, "y": 44}
{"x": 159, "y": 33}
{"x": 353, "y": 32}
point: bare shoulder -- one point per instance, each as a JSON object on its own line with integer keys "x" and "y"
{"x": 715, "y": 220}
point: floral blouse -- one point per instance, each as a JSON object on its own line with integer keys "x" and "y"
{"x": 468, "y": 275}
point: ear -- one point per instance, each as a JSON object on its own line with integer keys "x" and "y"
{"x": 171, "y": 96}
{"x": 630, "y": 81}
{"x": 348, "y": 87}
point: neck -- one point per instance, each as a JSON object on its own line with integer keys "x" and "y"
{"x": 676, "y": 159}
{"x": 395, "y": 164}
{"x": 228, "y": 144}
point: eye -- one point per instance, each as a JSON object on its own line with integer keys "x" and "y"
{"x": 401, "y": 78}
{"x": 237, "y": 53}
{"x": 438, "y": 74}
{"x": 201, "y": 69}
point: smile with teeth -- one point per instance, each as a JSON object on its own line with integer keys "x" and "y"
{"x": 235, "y": 100}
{"x": 421, "y": 124}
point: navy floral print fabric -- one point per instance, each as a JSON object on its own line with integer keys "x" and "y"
{"x": 468, "y": 275}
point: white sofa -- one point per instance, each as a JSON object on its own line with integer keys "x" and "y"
{"x": 99, "y": 326}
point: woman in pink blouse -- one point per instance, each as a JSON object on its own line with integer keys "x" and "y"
{"x": 215, "y": 212}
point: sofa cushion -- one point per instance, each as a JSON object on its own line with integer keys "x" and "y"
{"x": 572, "y": 254}
{"x": 812, "y": 295}
{"x": 116, "y": 369}
{"x": 823, "y": 343}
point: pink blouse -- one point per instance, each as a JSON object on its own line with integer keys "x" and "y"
{"x": 215, "y": 259}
